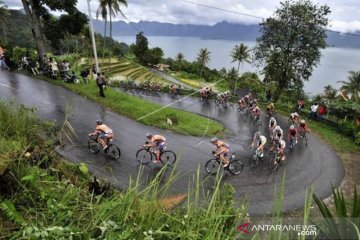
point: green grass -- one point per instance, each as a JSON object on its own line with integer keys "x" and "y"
{"x": 136, "y": 108}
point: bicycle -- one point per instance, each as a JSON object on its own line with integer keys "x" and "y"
{"x": 304, "y": 137}
{"x": 111, "y": 151}
{"x": 274, "y": 162}
{"x": 145, "y": 156}
{"x": 235, "y": 166}
{"x": 256, "y": 157}
{"x": 292, "y": 144}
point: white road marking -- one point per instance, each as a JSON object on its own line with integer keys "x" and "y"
{"x": 6, "y": 86}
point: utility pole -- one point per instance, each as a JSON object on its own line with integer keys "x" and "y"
{"x": 93, "y": 38}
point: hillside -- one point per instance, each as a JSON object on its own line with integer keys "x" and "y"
{"x": 221, "y": 30}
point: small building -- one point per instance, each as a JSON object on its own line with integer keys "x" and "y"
{"x": 162, "y": 67}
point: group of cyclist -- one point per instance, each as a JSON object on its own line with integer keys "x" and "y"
{"x": 205, "y": 93}
{"x": 105, "y": 135}
{"x": 251, "y": 104}
{"x": 297, "y": 127}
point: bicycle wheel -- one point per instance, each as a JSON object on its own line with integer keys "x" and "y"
{"x": 273, "y": 164}
{"x": 113, "y": 151}
{"x": 144, "y": 156}
{"x": 254, "y": 160}
{"x": 168, "y": 157}
{"x": 236, "y": 167}
{"x": 94, "y": 146}
{"x": 305, "y": 139}
{"x": 212, "y": 166}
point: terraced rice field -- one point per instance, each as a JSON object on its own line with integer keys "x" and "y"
{"x": 123, "y": 69}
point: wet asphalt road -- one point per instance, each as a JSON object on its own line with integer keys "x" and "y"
{"x": 316, "y": 165}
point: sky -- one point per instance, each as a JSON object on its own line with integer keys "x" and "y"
{"x": 345, "y": 16}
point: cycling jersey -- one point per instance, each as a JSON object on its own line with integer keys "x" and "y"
{"x": 104, "y": 129}
{"x": 292, "y": 132}
{"x": 157, "y": 139}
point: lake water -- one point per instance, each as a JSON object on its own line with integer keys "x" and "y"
{"x": 334, "y": 65}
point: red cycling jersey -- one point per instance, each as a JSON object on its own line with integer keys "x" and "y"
{"x": 292, "y": 132}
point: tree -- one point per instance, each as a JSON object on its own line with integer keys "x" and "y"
{"x": 141, "y": 47}
{"x": 4, "y": 13}
{"x": 330, "y": 93}
{"x": 291, "y": 42}
{"x": 153, "y": 56}
{"x": 352, "y": 86}
{"x": 114, "y": 8}
{"x": 103, "y": 12}
{"x": 232, "y": 77}
{"x": 203, "y": 58}
{"x": 38, "y": 13}
{"x": 240, "y": 53}
{"x": 179, "y": 58}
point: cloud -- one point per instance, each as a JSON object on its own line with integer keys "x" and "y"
{"x": 344, "y": 15}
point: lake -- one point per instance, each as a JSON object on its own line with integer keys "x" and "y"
{"x": 334, "y": 65}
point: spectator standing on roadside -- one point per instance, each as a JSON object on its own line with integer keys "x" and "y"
{"x": 313, "y": 113}
{"x": 100, "y": 81}
{"x": 322, "y": 111}
{"x": 84, "y": 75}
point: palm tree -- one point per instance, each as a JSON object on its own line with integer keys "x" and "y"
{"x": 113, "y": 8}
{"x": 203, "y": 58}
{"x": 179, "y": 58}
{"x": 103, "y": 11}
{"x": 329, "y": 92}
{"x": 240, "y": 53}
{"x": 352, "y": 86}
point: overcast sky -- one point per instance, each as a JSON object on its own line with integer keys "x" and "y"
{"x": 345, "y": 14}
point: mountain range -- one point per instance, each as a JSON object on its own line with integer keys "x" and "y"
{"x": 222, "y": 30}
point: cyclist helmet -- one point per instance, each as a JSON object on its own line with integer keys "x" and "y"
{"x": 99, "y": 122}
{"x": 271, "y": 104}
{"x": 214, "y": 139}
{"x": 255, "y": 100}
{"x": 277, "y": 128}
{"x": 292, "y": 127}
{"x": 257, "y": 135}
{"x": 148, "y": 135}
{"x": 302, "y": 121}
{"x": 272, "y": 120}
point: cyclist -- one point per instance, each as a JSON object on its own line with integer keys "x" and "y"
{"x": 204, "y": 93}
{"x": 221, "y": 151}
{"x": 261, "y": 141}
{"x": 158, "y": 142}
{"x": 256, "y": 112}
{"x": 172, "y": 88}
{"x": 278, "y": 133}
{"x": 280, "y": 148}
{"x": 294, "y": 117}
{"x": 104, "y": 133}
{"x": 248, "y": 98}
{"x": 270, "y": 109}
{"x": 303, "y": 128}
{"x": 292, "y": 133}
{"x": 272, "y": 125}
{"x": 241, "y": 103}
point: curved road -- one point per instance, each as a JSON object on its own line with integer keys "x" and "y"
{"x": 317, "y": 165}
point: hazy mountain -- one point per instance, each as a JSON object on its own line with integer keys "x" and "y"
{"x": 221, "y": 30}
